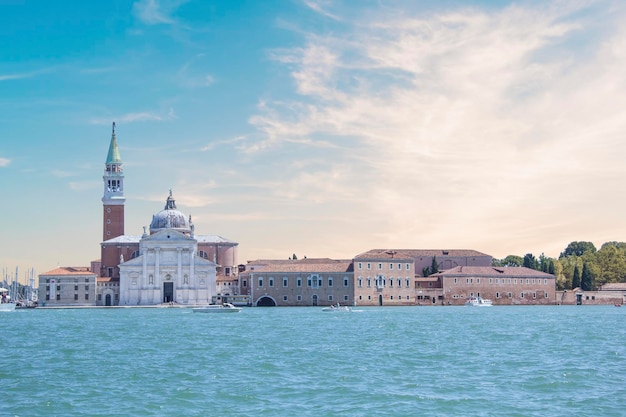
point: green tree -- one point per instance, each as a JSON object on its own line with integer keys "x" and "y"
{"x": 530, "y": 261}
{"x": 576, "y": 278}
{"x": 586, "y": 279}
{"x": 578, "y": 249}
{"x": 294, "y": 257}
{"x": 434, "y": 268}
{"x": 512, "y": 260}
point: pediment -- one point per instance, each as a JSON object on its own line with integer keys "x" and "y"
{"x": 167, "y": 235}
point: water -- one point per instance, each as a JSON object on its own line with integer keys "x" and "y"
{"x": 405, "y": 361}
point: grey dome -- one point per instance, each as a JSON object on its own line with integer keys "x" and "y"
{"x": 170, "y": 218}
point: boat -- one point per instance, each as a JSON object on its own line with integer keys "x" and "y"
{"x": 6, "y": 304}
{"x": 218, "y": 308}
{"x": 478, "y": 302}
{"x": 337, "y": 308}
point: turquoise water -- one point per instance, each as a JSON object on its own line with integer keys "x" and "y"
{"x": 404, "y": 361}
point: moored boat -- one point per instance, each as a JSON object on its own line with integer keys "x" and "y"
{"x": 6, "y": 304}
{"x": 218, "y": 308}
{"x": 478, "y": 302}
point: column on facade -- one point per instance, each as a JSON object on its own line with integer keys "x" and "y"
{"x": 144, "y": 268}
{"x": 179, "y": 270}
{"x": 157, "y": 273}
{"x": 192, "y": 263}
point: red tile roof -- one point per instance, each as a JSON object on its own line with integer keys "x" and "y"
{"x": 417, "y": 253}
{"x": 300, "y": 265}
{"x": 511, "y": 271}
{"x": 69, "y": 270}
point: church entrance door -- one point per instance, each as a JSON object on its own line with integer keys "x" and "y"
{"x": 107, "y": 300}
{"x": 168, "y": 292}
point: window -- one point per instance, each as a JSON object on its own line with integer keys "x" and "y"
{"x": 284, "y": 298}
{"x": 330, "y": 282}
{"x": 109, "y": 272}
{"x": 299, "y": 298}
{"x": 399, "y": 267}
{"x": 203, "y": 254}
{"x": 408, "y": 266}
{"x": 521, "y": 295}
{"x": 360, "y": 282}
{"x": 86, "y": 296}
{"x": 75, "y": 296}
{"x": 545, "y": 295}
{"x": 86, "y": 287}
{"x": 391, "y": 282}
{"x": 534, "y": 295}
{"x": 330, "y": 298}
{"x": 509, "y": 295}
{"x": 478, "y": 281}
{"x": 369, "y": 266}
{"x": 299, "y": 282}
{"x": 271, "y": 281}
{"x": 399, "y": 283}
{"x": 497, "y": 295}
{"x": 390, "y": 266}
{"x": 360, "y": 265}
{"x": 284, "y": 281}
{"x": 408, "y": 297}
{"x": 369, "y": 282}
{"x": 58, "y": 297}
{"x": 345, "y": 282}
{"x": 408, "y": 283}
{"x": 455, "y": 280}
{"x": 260, "y": 281}
{"x": 244, "y": 283}
{"x": 75, "y": 287}
{"x": 380, "y": 266}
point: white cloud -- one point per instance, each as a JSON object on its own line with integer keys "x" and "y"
{"x": 136, "y": 117}
{"x": 452, "y": 121}
{"x": 154, "y": 12}
{"x": 4, "y": 162}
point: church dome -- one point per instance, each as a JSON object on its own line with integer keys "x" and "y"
{"x": 170, "y": 218}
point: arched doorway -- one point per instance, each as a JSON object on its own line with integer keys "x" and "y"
{"x": 314, "y": 299}
{"x": 107, "y": 300}
{"x": 380, "y": 299}
{"x": 266, "y": 301}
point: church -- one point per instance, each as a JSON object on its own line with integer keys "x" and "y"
{"x": 169, "y": 263}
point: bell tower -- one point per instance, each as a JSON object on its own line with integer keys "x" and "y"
{"x": 113, "y": 199}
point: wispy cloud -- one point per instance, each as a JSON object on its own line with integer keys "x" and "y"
{"x": 212, "y": 145}
{"x": 4, "y": 162}
{"x": 154, "y": 12}
{"x": 321, "y": 6}
{"x": 136, "y": 117}
{"x": 461, "y": 118}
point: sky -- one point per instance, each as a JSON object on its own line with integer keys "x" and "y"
{"x": 318, "y": 128}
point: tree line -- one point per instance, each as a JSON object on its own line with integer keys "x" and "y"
{"x": 580, "y": 265}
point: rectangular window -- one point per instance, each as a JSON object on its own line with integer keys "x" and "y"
{"x": 260, "y": 281}
{"x": 330, "y": 282}
{"x": 390, "y": 266}
{"x": 75, "y": 287}
{"x": 284, "y": 281}
{"x": 360, "y": 265}
{"x": 345, "y": 282}
{"x": 391, "y": 282}
{"x": 369, "y": 266}
{"x": 244, "y": 283}
{"x": 545, "y": 295}
{"x": 408, "y": 266}
{"x": 369, "y": 282}
{"x": 534, "y": 295}
{"x": 399, "y": 283}
{"x": 380, "y": 266}
{"x": 521, "y": 295}
{"x": 478, "y": 281}
{"x": 497, "y": 295}
{"x": 345, "y": 298}
{"x": 299, "y": 282}
{"x": 86, "y": 296}
{"x": 399, "y": 267}
{"x": 75, "y": 296}
{"x": 47, "y": 297}
{"x": 408, "y": 283}
{"x": 509, "y": 295}
{"x": 271, "y": 282}
{"x": 284, "y": 298}
{"x": 86, "y": 287}
{"x": 360, "y": 282}
{"x": 330, "y": 298}
{"x": 299, "y": 298}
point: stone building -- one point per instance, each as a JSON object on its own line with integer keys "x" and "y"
{"x": 302, "y": 282}
{"x": 502, "y": 285}
{"x": 67, "y": 286}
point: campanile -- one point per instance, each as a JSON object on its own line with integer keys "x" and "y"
{"x": 113, "y": 199}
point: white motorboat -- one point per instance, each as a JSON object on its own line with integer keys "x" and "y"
{"x": 218, "y": 308}
{"x": 337, "y": 308}
{"x": 478, "y": 302}
{"x": 6, "y": 304}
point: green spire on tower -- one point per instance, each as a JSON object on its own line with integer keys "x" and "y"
{"x": 114, "y": 153}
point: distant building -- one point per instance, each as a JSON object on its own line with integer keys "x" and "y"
{"x": 67, "y": 286}
{"x": 301, "y": 282}
{"x": 502, "y": 285}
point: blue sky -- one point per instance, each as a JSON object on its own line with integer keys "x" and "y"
{"x": 316, "y": 127}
